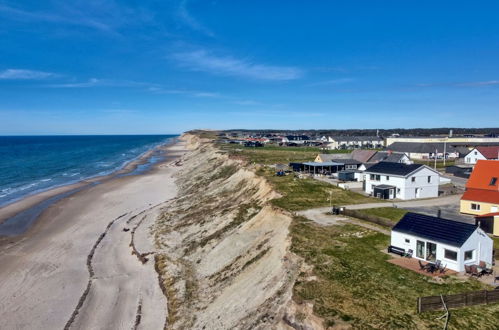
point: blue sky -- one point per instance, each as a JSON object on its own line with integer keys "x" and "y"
{"x": 108, "y": 67}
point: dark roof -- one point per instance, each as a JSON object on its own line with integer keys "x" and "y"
{"x": 386, "y": 156}
{"x": 384, "y": 186}
{"x": 346, "y": 161}
{"x": 393, "y": 168}
{"x": 421, "y": 148}
{"x": 441, "y": 230}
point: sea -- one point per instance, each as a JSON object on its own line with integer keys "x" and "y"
{"x": 32, "y": 164}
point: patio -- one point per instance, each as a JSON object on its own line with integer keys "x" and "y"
{"x": 412, "y": 264}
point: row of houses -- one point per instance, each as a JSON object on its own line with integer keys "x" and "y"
{"x": 385, "y": 174}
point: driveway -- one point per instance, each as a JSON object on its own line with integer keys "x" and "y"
{"x": 448, "y": 205}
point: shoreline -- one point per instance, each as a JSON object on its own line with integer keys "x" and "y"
{"x": 76, "y": 265}
{"x": 29, "y": 209}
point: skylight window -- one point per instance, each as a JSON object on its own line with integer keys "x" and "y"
{"x": 493, "y": 182}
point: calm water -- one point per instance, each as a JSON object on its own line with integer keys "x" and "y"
{"x": 30, "y": 164}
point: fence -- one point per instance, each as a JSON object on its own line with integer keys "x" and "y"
{"x": 368, "y": 217}
{"x": 481, "y": 297}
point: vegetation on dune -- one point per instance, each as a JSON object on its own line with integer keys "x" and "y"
{"x": 353, "y": 282}
{"x": 350, "y": 280}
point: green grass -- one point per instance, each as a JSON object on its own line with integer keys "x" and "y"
{"x": 390, "y": 213}
{"x": 431, "y": 163}
{"x": 496, "y": 242}
{"x": 354, "y": 283}
{"x": 300, "y": 194}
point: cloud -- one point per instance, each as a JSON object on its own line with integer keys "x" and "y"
{"x": 192, "y": 93}
{"x": 22, "y": 74}
{"x": 460, "y": 84}
{"x": 338, "y": 81}
{"x": 201, "y": 60}
{"x": 70, "y": 17}
{"x": 184, "y": 15}
{"x": 246, "y": 102}
{"x": 94, "y": 82}
{"x": 480, "y": 83}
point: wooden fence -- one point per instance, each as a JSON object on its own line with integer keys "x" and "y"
{"x": 368, "y": 217}
{"x": 481, "y": 297}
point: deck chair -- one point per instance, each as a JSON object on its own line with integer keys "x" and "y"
{"x": 421, "y": 265}
{"x": 443, "y": 269}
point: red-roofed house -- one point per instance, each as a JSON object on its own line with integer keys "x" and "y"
{"x": 482, "y": 190}
{"x": 483, "y": 153}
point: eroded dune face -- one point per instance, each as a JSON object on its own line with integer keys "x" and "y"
{"x": 224, "y": 258}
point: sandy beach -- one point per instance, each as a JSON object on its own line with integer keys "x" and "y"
{"x": 74, "y": 268}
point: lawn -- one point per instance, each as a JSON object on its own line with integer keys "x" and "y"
{"x": 389, "y": 213}
{"x": 496, "y": 242}
{"x": 431, "y": 163}
{"x": 352, "y": 282}
{"x": 300, "y": 194}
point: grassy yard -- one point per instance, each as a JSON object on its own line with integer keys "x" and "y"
{"x": 496, "y": 242}
{"x": 353, "y": 283}
{"x": 431, "y": 163}
{"x": 300, "y": 194}
{"x": 390, "y": 213}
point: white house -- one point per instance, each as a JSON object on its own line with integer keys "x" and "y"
{"x": 454, "y": 243}
{"x": 388, "y": 180}
{"x": 482, "y": 153}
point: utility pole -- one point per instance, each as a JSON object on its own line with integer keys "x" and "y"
{"x": 445, "y": 145}
{"x": 436, "y": 153}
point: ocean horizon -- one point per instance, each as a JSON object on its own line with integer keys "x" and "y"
{"x": 33, "y": 164}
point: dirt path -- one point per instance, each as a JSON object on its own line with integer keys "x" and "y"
{"x": 321, "y": 217}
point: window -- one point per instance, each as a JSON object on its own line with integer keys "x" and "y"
{"x": 378, "y": 177}
{"x": 371, "y": 176}
{"x": 493, "y": 182}
{"x": 476, "y": 153}
{"x": 407, "y": 240}
{"x": 420, "y": 249}
{"x": 429, "y": 178}
{"x": 449, "y": 254}
{"x": 475, "y": 207}
{"x": 468, "y": 255}
{"x": 413, "y": 179}
{"x": 398, "y": 190}
{"x": 387, "y": 178}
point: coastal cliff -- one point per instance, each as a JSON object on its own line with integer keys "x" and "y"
{"x": 224, "y": 258}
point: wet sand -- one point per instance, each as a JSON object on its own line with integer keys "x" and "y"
{"x": 74, "y": 266}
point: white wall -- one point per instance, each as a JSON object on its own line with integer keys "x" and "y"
{"x": 473, "y": 157}
{"x": 478, "y": 241}
{"x": 406, "y": 189}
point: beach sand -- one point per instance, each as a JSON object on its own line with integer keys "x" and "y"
{"x": 44, "y": 275}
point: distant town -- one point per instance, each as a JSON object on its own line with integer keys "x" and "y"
{"x": 450, "y": 182}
